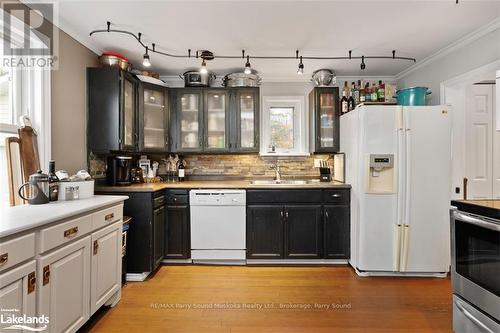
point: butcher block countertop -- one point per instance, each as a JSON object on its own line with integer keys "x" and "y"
{"x": 215, "y": 184}
{"x": 484, "y": 207}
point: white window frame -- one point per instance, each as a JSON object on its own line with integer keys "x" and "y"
{"x": 31, "y": 97}
{"x": 300, "y": 125}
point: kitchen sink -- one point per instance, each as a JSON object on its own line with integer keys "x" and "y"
{"x": 285, "y": 182}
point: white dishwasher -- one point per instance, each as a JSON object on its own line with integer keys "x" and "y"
{"x": 218, "y": 226}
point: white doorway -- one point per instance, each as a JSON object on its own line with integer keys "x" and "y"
{"x": 476, "y": 142}
{"x": 482, "y": 142}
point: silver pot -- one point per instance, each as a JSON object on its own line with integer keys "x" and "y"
{"x": 323, "y": 77}
{"x": 197, "y": 79}
{"x": 241, "y": 80}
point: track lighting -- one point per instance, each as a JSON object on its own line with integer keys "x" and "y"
{"x": 248, "y": 68}
{"x": 203, "y": 69}
{"x": 145, "y": 61}
{"x": 300, "y": 71}
{"x": 363, "y": 65}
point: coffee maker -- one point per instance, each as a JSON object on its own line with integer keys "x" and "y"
{"x": 118, "y": 170}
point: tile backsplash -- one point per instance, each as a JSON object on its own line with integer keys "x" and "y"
{"x": 251, "y": 165}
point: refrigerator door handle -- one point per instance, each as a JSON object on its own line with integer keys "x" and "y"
{"x": 406, "y": 240}
{"x": 397, "y": 247}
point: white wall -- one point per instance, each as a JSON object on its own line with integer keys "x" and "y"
{"x": 470, "y": 56}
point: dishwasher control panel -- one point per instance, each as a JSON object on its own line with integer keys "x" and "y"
{"x": 217, "y": 197}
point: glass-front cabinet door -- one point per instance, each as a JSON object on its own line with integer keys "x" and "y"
{"x": 247, "y": 120}
{"x": 189, "y": 114}
{"x": 128, "y": 123}
{"x": 216, "y": 116}
{"x": 326, "y": 119}
{"x": 154, "y": 118}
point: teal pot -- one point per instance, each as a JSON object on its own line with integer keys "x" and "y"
{"x": 414, "y": 96}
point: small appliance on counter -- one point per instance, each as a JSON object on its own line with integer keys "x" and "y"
{"x": 136, "y": 176}
{"x": 325, "y": 175}
{"x": 118, "y": 170}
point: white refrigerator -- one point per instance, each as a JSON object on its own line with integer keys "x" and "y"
{"x": 398, "y": 161}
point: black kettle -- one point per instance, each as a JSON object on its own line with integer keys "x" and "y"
{"x": 38, "y": 189}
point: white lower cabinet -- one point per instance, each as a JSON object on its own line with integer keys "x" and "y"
{"x": 18, "y": 293}
{"x": 106, "y": 265}
{"x": 64, "y": 286}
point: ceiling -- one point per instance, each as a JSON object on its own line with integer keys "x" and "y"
{"x": 320, "y": 28}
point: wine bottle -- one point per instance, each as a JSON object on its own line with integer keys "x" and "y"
{"x": 374, "y": 96}
{"x": 362, "y": 92}
{"x": 381, "y": 91}
{"x": 181, "y": 171}
{"x": 53, "y": 182}
{"x": 368, "y": 92}
{"x": 350, "y": 103}
{"x": 344, "y": 102}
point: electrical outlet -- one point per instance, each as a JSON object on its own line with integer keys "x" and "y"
{"x": 457, "y": 190}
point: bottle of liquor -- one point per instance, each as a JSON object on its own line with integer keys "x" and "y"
{"x": 351, "y": 104}
{"x": 53, "y": 182}
{"x": 374, "y": 97}
{"x": 381, "y": 91}
{"x": 344, "y": 102}
{"x": 362, "y": 92}
{"x": 181, "y": 171}
{"x": 356, "y": 92}
{"x": 368, "y": 92}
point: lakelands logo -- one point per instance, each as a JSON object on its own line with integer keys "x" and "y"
{"x": 28, "y": 36}
{"x": 12, "y": 321}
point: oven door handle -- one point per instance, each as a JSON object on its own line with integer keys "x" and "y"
{"x": 473, "y": 319}
{"x": 479, "y": 222}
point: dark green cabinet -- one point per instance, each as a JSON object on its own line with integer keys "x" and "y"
{"x": 303, "y": 231}
{"x": 153, "y": 118}
{"x": 158, "y": 234}
{"x": 324, "y": 119}
{"x": 177, "y": 234}
{"x": 337, "y": 231}
{"x": 264, "y": 232}
{"x": 215, "y": 120}
{"x": 111, "y": 110}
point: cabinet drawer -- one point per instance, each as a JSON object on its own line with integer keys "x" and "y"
{"x": 283, "y": 196}
{"x": 16, "y": 250}
{"x": 337, "y": 196}
{"x": 160, "y": 201}
{"x": 107, "y": 216}
{"x": 62, "y": 233}
{"x": 177, "y": 199}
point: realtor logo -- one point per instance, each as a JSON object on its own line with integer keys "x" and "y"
{"x": 10, "y": 319}
{"x": 30, "y": 38}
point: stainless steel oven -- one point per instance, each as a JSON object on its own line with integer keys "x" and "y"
{"x": 475, "y": 272}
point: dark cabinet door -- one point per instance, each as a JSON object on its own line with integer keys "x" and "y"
{"x": 188, "y": 125}
{"x": 216, "y": 118}
{"x": 245, "y": 113}
{"x": 153, "y": 118}
{"x": 128, "y": 101}
{"x": 324, "y": 111}
{"x": 158, "y": 235}
{"x": 303, "y": 232}
{"x": 265, "y": 232}
{"x": 177, "y": 235}
{"x": 337, "y": 231}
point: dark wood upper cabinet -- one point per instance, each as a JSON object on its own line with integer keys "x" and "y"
{"x": 112, "y": 110}
{"x": 215, "y": 120}
{"x": 153, "y": 107}
{"x": 303, "y": 232}
{"x": 324, "y": 119}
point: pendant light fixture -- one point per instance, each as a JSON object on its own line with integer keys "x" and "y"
{"x": 248, "y": 68}
{"x": 145, "y": 61}
{"x": 363, "y": 65}
{"x": 300, "y": 71}
{"x": 203, "y": 69}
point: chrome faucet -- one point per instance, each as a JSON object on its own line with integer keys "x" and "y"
{"x": 276, "y": 168}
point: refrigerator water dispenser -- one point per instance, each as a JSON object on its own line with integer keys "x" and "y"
{"x": 381, "y": 175}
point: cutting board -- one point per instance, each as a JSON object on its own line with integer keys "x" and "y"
{"x": 29, "y": 151}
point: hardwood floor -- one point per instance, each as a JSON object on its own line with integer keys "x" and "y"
{"x": 178, "y": 299}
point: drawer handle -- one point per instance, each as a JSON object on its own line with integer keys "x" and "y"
{"x": 109, "y": 216}
{"x": 4, "y": 258}
{"x": 96, "y": 247}
{"x": 31, "y": 282}
{"x": 336, "y": 195}
{"x": 46, "y": 275}
{"x": 70, "y": 233}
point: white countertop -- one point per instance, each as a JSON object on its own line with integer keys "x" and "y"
{"x": 20, "y": 218}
